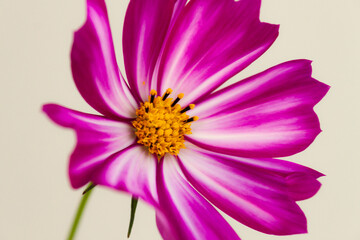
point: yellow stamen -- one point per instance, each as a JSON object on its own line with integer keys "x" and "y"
{"x": 180, "y": 96}
{"x": 167, "y": 93}
{"x": 193, "y": 119}
{"x": 191, "y": 106}
{"x": 161, "y": 125}
{"x": 153, "y": 92}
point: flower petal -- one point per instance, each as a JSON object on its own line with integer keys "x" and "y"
{"x": 97, "y": 139}
{"x": 267, "y": 115}
{"x": 302, "y": 186}
{"x": 178, "y": 7}
{"x": 253, "y": 191}
{"x": 210, "y": 42}
{"x": 132, "y": 170}
{"x": 94, "y": 66}
{"x": 145, "y": 28}
{"x": 184, "y": 213}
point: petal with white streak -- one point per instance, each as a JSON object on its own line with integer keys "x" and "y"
{"x": 94, "y": 67}
{"x": 256, "y": 192}
{"x": 184, "y": 213}
{"x": 210, "y": 42}
{"x": 97, "y": 139}
{"x": 145, "y": 28}
{"x": 267, "y": 115}
{"x": 132, "y": 170}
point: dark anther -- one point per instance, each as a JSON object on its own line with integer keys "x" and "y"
{"x": 191, "y": 106}
{"x": 175, "y": 102}
{"x": 192, "y": 119}
{"x": 165, "y": 96}
{"x": 185, "y": 109}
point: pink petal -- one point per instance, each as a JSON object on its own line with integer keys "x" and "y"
{"x": 210, "y": 42}
{"x": 267, "y": 115}
{"x": 97, "y": 139}
{"x": 302, "y": 186}
{"x": 253, "y": 191}
{"x": 145, "y": 28}
{"x": 94, "y": 66}
{"x": 178, "y": 7}
{"x": 184, "y": 214}
{"x": 132, "y": 170}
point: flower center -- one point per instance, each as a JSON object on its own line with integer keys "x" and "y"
{"x": 161, "y": 124}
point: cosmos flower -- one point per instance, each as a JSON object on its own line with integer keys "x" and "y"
{"x": 167, "y": 136}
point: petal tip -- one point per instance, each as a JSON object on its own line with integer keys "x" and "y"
{"x": 45, "y": 107}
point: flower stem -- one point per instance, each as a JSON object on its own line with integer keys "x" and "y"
{"x": 80, "y": 210}
{"x": 134, "y": 201}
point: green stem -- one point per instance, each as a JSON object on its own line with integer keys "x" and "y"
{"x": 134, "y": 202}
{"x": 88, "y": 188}
{"x": 79, "y": 212}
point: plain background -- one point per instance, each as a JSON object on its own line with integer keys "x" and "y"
{"x": 36, "y": 200}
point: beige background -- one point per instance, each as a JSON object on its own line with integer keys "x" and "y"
{"x": 36, "y": 201}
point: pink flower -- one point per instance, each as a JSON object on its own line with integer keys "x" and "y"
{"x": 145, "y": 145}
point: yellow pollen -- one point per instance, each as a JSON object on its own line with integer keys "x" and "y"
{"x": 161, "y": 125}
{"x": 153, "y": 92}
{"x": 195, "y": 118}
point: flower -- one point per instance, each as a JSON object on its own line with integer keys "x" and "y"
{"x": 169, "y": 138}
